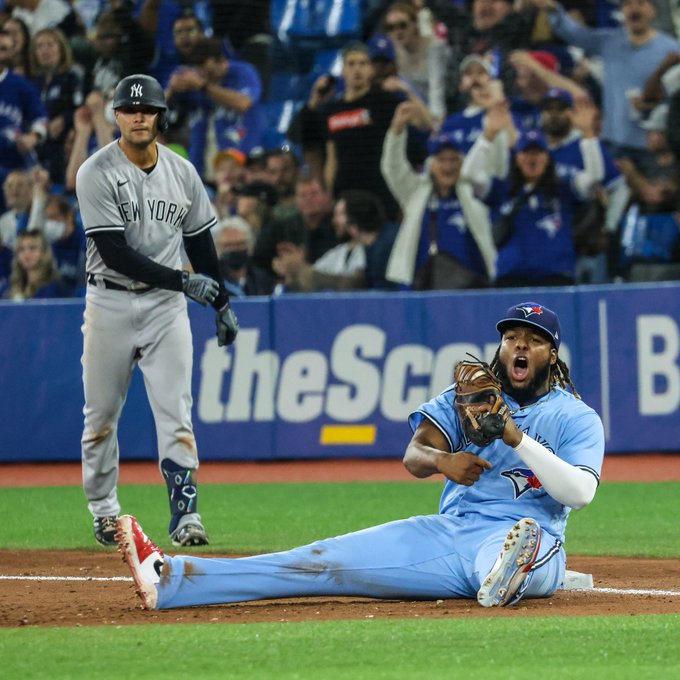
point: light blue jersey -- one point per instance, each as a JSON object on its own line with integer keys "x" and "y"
{"x": 509, "y": 491}
{"x": 442, "y": 555}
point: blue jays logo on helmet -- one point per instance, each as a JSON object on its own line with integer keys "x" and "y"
{"x": 523, "y": 479}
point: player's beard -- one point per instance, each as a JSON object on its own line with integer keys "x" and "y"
{"x": 535, "y": 388}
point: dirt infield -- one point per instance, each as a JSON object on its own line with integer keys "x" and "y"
{"x": 97, "y": 602}
{"x": 88, "y": 597}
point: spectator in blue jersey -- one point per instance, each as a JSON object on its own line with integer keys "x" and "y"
{"x": 23, "y": 122}
{"x": 64, "y": 232}
{"x": 483, "y": 90}
{"x": 222, "y": 98}
{"x": 630, "y": 54}
{"x": 185, "y": 30}
{"x": 61, "y": 91}
{"x": 597, "y": 218}
{"x": 533, "y": 231}
{"x": 34, "y": 273}
{"x": 444, "y": 241}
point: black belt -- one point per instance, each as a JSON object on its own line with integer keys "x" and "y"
{"x": 112, "y": 285}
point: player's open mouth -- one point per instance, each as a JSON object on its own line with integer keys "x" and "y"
{"x": 520, "y": 368}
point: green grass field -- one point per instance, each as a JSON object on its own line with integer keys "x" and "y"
{"x": 624, "y": 519}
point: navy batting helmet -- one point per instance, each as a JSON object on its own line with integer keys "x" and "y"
{"x": 140, "y": 89}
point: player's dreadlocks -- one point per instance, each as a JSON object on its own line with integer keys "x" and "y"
{"x": 559, "y": 374}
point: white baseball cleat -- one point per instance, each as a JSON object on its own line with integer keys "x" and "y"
{"x": 506, "y": 582}
{"x": 143, "y": 557}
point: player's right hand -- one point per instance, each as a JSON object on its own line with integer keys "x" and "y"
{"x": 199, "y": 287}
{"x": 463, "y": 467}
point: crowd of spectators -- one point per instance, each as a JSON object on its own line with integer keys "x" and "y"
{"x": 445, "y": 144}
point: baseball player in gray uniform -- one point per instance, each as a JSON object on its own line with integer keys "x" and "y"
{"x": 139, "y": 203}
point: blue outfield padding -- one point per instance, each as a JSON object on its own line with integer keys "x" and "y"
{"x": 315, "y": 376}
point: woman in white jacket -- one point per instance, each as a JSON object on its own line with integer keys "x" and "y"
{"x": 444, "y": 239}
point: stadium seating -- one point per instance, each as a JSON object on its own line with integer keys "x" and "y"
{"x": 278, "y": 116}
{"x": 326, "y": 20}
{"x": 285, "y": 85}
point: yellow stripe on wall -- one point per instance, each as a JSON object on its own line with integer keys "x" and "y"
{"x": 348, "y": 434}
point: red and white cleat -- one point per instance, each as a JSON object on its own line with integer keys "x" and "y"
{"x": 143, "y": 557}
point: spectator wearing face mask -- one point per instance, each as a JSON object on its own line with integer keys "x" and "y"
{"x": 234, "y": 242}
{"x": 24, "y": 210}
{"x": 66, "y": 236}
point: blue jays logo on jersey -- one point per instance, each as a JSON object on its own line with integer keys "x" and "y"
{"x": 523, "y": 479}
{"x": 550, "y": 224}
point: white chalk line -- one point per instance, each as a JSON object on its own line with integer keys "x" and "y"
{"x": 615, "y": 591}
{"x": 65, "y": 578}
{"x": 633, "y": 591}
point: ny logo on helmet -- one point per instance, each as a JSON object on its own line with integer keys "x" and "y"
{"x": 136, "y": 90}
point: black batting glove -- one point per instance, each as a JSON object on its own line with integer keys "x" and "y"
{"x": 199, "y": 287}
{"x": 227, "y": 325}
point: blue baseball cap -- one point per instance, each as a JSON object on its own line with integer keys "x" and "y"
{"x": 381, "y": 47}
{"x": 531, "y": 138}
{"x": 533, "y": 314}
{"x": 443, "y": 141}
{"x": 557, "y": 94}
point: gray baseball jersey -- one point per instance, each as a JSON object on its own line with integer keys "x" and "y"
{"x": 154, "y": 211}
{"x": 148, "y": 328}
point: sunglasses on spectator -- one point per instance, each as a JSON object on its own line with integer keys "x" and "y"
{"x": 396, "y": 26}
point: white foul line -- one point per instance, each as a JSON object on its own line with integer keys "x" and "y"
{"x": 635, "y": 591}
{"x": 617, "y": 591}
{"x": 65, "y": 578}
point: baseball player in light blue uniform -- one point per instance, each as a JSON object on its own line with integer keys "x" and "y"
{"x": 502, "y": 514}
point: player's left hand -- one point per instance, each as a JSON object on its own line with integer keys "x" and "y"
{"x": 227, "y": 325}
{"x": 479, "y": 403}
